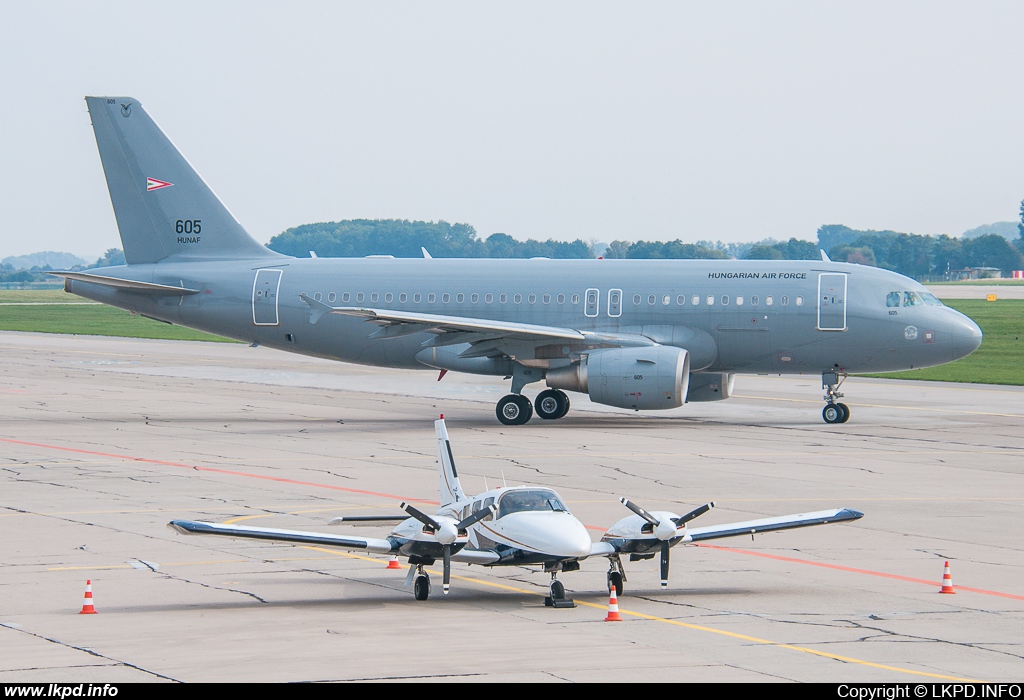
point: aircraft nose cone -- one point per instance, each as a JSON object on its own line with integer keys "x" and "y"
{"x": 965, "y": 336}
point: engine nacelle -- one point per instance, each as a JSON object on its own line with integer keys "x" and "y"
{"x": 710, "y": 386}
{"x": 643, "y": 379}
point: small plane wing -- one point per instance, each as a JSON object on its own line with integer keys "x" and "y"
{"x": 367, "y": 520}
{"x": 127, "y": 285}
{"x": 781, "y": 522}
{"x": 367, "y": 544}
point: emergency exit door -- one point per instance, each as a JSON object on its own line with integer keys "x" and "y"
{"x": 832, "y": 301}
{"x": 264, "y": 297}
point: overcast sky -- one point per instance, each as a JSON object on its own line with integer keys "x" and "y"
{"x": 564, "y": 120}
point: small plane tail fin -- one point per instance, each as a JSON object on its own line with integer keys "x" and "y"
{"x": 163, "y": 207}
{"x": 450, "y": 488}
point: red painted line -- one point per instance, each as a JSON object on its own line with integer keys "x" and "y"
{"x": 866, "y": 572}
{"x": 215, "y": 470}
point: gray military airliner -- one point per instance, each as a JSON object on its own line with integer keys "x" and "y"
{"x": 636, "y": 334}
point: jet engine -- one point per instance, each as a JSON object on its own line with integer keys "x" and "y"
{"x": 639, "y": 378}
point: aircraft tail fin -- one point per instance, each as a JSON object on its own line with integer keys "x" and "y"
{"x": 163, "y": 207}
{"x": 450, "y": 488}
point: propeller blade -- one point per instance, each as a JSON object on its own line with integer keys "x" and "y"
{"x": 696, "y": 512}
{"x": 421, "y": 516}
{"x": 664, "y": 563}
{"x": 447, "y": 575}
{"x": 476, "y": 517}
{"x": 639, "y": 511}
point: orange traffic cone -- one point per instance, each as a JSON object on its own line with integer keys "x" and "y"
{"x": 947, "y": 581}
{"x": 393, "y": 564}
{"x": 613, "y": 608}
{"x": 87, "y": 608}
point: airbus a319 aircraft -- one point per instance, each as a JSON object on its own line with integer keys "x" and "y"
{"x": 636, "y": 334}
{"x": 517, "y": 526}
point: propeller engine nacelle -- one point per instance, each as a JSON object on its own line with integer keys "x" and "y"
{"x": 645, "y": 379}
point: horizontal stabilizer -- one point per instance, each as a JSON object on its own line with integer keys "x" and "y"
{"x": 127, "y": 285}
{"x": 192, "y": 527}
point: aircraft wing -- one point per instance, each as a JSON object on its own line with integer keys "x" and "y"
{"x": 366, "y": 544}
{"x": 781, "y": 522}
{"x": 398, "y": 323}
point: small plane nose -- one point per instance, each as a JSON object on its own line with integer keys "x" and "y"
{"x": 965, "y": 336}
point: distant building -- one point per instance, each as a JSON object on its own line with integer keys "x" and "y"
{"x": 975, "y": 273}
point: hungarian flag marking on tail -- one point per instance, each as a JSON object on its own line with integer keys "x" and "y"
{"x": 153, "y": 184}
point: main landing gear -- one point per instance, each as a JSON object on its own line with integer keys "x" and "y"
{"x": 421, "y": 584}
{"x": 616, "y": 576}
{"x": 516, "y": 409}
{"x": 834, "y": 412}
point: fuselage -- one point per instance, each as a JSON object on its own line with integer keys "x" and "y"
{"x": 785, "y": 317}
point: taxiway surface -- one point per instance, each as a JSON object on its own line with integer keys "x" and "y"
{"x": 105, "y": 440}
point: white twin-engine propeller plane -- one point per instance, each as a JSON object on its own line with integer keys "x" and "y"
{"x": 517, "y": 526}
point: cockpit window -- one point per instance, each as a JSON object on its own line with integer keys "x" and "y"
{"x": 912, "y": 299}
{"x": 532, "y": 500}
{"x": 930, "y": 299}
{"x": 892, "y": 299}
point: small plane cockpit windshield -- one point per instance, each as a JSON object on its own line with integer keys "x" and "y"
{"x": 532, "y": 500}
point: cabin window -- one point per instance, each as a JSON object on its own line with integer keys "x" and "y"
{"x": 533, "y": 299}
{"x": 317, "y": 296}
{"x": 892, "y": 299}
{"x": 403, "y": 297}
{"x": 651, "y": 299}
{"x": 695, "y": 300}
{"x": 475, "y": 298}
{"x": 725, "y": 300}
{"x": 710, "y": 300}
{"x": 518, "y": 299}
{"x": 332, "y": 297}
{"x": 346, "y": 297}
{"x": 431, "y": 297}
{"x": 666, "y": 300}
{"x": 561, "y": 298}
{"x": 488, "y": 298}
{"x": 488, "y": 502}
{"x": 416, "y": 297}
{"x": 445, "y": 298}
{"x": 575, "y": 299}
{"x": 359, "y": 296}
{"x": 374, "y": 296}
{"x": 768, "y": 300}
{"x": 784, "y": 300}
{"x": 546, "y": 298}
{"x": 681, "y": 299}
{"x": 739, "y": 301}
{"x": 502, "y": 298}
{"x": 754, "y": 300}
{"x": 637, "y": 299}
{"x": 460, "y": 297}
{"x": 389, "y": 297}
{"x": 799, "y": 301}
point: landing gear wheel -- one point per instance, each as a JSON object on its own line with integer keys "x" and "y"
{"x": 514, "y": 409}
{"x": 557, "y": 590}
{"x": 846, "y": 412}
{"x": 551, "y": 404}
{"x": 421, "y": 587}
{"x": 832, "y": 413}
{"x": 615, "y": 581}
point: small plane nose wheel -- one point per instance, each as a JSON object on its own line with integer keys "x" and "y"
{"x": 556, "y": 594}
{"x": 834, "y": 412}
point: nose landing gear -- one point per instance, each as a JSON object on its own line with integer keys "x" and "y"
{"x": 834, "y": 412}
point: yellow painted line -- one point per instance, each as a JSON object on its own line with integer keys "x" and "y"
{"x": 700, "y": 628}
{"x": 186, "y": 563}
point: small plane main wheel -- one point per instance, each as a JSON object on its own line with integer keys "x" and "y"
{"x": 557, "y": 590}
{"x": 514, "y": 409}
{"x": 846, "y": 412}
{"x": 832, "y": 413}
{"x": 615, "y": 581}
{"x": 551, "y": 404}
{"x": 421, "y": 587}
